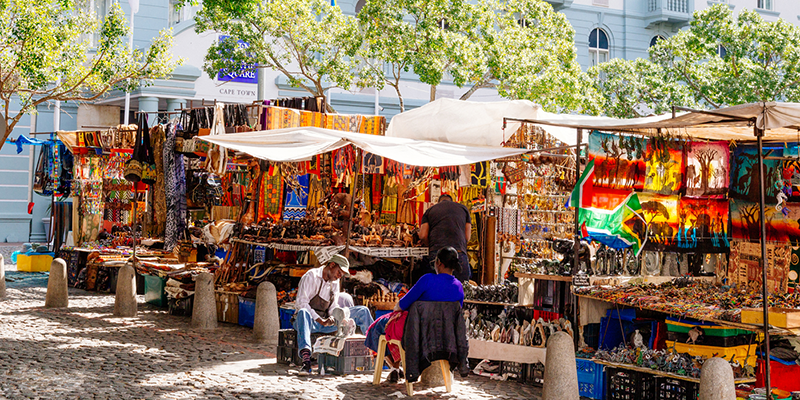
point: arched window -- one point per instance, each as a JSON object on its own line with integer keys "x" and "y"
{"x": 655, "y": 40}
{"x": 359, "y": 5}
{"x": 722, "y": 51}
{"x": 598, "y": 46}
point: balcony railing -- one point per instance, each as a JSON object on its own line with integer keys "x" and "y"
{"x": 678, "y": 6}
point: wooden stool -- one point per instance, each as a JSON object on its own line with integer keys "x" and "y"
{"x": 376, "y": 380}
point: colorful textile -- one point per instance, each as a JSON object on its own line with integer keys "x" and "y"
{"x": 584, "y": 188}
{"x": 389, "y": 204}
{"x": 373, "y": 125}
{"x": 279, "y": 117}
{"x": 479, "y": 174}
{"x": 781, "y": 221}
{"x": 296, "y": 200}
{"x": 664, "y": 163}
{"x": 661, "y": 216}
{"x": 745, "y": 181}
{"x": 707, "y": 169}
{"x": 619, "y": 228}
{"x": 794, "y": 269}
{"x": 344, "y": 161}
{"x": 373, "y": 164}
{"x": 312, "y": 118}
{"x": 314, "y": 166}
{"x": 343, "y": 122}
{"x": 271, "y": 198}
{"x": 316, "y": 192}
{"x": 703, "y": 225}
{"x": 744, "y": 267}
{"x": 619, "y": 160}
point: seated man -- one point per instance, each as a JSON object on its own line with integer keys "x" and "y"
{"x": 439, "y": 286}
{"x": 317, "y": 296}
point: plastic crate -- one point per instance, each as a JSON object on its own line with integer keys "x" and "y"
{"x": 288, "y": 338}
{"x": 227, "y": 307}
{"x": 154, "y": 290}
{"x": 343, "y": 365}
{"x": 614, "y": 331}
{"x": 181, "y": 306}
{"x": 288, "y": 355}
{"x": 676, "y": 389}
{"x": 247, "y": 311}
{"x": 718, "y": 341}
{"x": 741, "y": 354}
{"x": 532, "y": 374}
{"x": 355, "y": 347}
{"x": 591, "y": 335}
{"x": 285, "y": 315}
{"x": 591, "y": 380}
{"x": 709, "y": 329}
{"x": 513, "y": 369}
{"x": 623, "y": 384}
{"x": 34, "y": 262}
{"x": 782, "y": 376}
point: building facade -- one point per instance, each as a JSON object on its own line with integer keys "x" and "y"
{"x": 604, "y": 29}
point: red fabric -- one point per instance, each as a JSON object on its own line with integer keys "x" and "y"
{"x": 394, "y": 331}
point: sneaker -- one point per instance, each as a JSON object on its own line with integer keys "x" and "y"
{"x": 306, "y": 370}
{"x": 394, "y": 376}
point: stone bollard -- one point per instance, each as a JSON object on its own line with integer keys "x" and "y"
{"x": 560, "y": 371}
{"x": 266, "y": 322}
{"x": 204, "y": 310}
{"x": 432, "y": 376}
{"x": 57, "y": 285}
{"x": 125, "y": 304}
{"x": 716, "y": 380}
{"x": 2, "y": 277}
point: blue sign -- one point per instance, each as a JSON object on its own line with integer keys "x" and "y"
{"x": 247, "y": 74}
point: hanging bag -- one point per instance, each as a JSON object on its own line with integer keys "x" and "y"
{"x": 148, "y": 161}
{"x": 133, "y": 167}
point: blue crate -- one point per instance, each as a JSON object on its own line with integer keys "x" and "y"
{"x": 154, "y": 290}
{"x": 247, "y": 311}
{"x": 591, "y": 379}
{"x": 286, "y": 317}
{"x": 614, "y": 331}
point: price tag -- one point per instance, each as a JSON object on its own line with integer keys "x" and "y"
{"x": 580, "y": 280}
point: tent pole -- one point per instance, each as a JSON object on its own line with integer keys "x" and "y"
{"x": 353, "y": 193}
{"x": 764, "y": 288}
{"x": 577, "y": 239}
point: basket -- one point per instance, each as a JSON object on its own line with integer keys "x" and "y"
{"x": 383, "y": 305}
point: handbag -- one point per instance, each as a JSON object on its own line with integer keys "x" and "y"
{"x": 40, "y": 178}
{"x": 133, "y": 167}
{"x": 149, "y": 173}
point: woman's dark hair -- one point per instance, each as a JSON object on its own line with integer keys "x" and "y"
{"x": 449, "y": 257}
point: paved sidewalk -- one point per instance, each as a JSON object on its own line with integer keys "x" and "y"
{"x": 84, "y": 352}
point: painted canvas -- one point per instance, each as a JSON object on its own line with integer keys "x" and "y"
{"x": 664, "y": 165}
{"x": 744, "y": 269}
{"x": 707, "y": 169}
{"x": 782, "y": 221}
{"x": 662, "y": 218}
{"x": 703, "y": 225}
{"x": 744, "y": 181}
{"x": 619, "y": 160}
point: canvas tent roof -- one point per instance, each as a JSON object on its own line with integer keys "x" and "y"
{"x": 298, "y": 144}
{"x": 470, "y": 123}
{"x": 780, "y": 120}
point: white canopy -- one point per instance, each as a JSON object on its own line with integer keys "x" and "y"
{"x": 299, "y": 144}
{"x": 780, "y": 120}
{"x": 469, "y": 122}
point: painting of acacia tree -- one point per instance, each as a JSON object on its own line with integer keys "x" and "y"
{"x": 707, "y": 169}
{"x": 619, "y": 160}
{"x": 744, "y": 178}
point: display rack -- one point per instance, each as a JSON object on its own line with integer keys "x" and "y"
{"x": 662, "y": 373}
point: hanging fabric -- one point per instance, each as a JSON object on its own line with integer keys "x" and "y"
{"x": 271, "y": 194}
{"x": 217, "y": 160}
{"x": 296, "y": 200}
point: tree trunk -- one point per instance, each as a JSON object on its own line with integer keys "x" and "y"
{"x": 433, "y": 92}
{"x": 400, "y": 99}
{"x": 470, "y": 92}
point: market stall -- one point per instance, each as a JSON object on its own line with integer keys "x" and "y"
{"x": 704, "y": 208}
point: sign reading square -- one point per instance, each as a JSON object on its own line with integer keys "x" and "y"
{"x": 247, "y": 74}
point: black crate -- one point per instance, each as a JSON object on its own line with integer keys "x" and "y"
{"x": 347, "y": 365}
{"x": 717, "y": 341}
{"x": 513, "y": 369}
{"x": 288, "y": 355}
{"x": 181, "y": 306}
{"x": 676, "y": 389}
{"x": 532, "y": 374}
{"x": 623, "y": 384}
{"x": 591, "y": 335}
{"x": 288, "y": 338}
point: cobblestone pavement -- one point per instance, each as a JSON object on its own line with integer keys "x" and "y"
{"x": 84, "y": 352}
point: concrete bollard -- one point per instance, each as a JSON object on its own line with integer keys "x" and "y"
{"x": 716, "y": 380}
{"x": 560, "y": 371}
{"x": 432, "y": 376}
{"x": 204, "y": 310}
{"x": 125, "y": 304}
{"x": 266, "y": 322}
{"x": 2, "y": 277}
{"x": 57, "y": 285}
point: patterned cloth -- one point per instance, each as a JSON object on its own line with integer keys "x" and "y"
{"x": 373, "y": 125}
{"x": 271, "y": 194}
{"x": 157, "y": 138}
{"x": 296, "y": 200}
{"x": 174, "y": 190}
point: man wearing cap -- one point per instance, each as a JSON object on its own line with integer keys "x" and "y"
{"x": 317, "y": 296}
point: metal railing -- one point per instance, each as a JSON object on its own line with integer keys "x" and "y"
{"x": 680, "y": 6}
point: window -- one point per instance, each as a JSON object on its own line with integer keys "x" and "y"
{"x": 359, "y": 5}
{"x": 655, "y": 40}
{"x": 598, "y": 46}
{"x": 722, "y": 51}
{"x": 100, "y": 9}
{"x": 764, "y": 4}
{"x": 179, "y": 13}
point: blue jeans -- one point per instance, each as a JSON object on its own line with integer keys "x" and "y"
{"x": 305, "y": 325}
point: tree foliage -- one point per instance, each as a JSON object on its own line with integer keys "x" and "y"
{"x": 721, "y": 60}
{"x": 309, "y": 41}
{"x": 46, "y": 53}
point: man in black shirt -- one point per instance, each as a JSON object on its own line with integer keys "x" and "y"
{"x": 447, "y": 223}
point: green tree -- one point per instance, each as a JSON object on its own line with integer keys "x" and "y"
{"x": 434, "y": 39}
{"x": 528, "y": 52}
{"x": 309, "y": 41}
{"x": 721, "y": 60}
{"x": 46, "y": 53}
